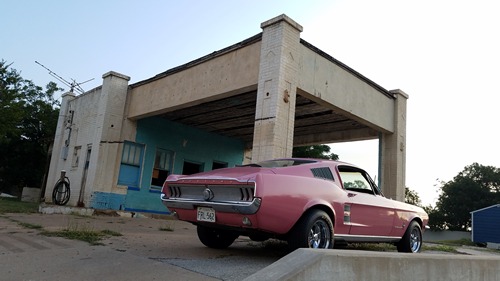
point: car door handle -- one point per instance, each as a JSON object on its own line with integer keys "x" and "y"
{"x": 351, "y": 194}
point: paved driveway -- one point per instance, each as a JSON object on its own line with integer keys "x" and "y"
{"x": 148, "y": 249}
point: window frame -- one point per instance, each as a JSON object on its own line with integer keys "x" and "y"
{"x": 372, "y": 187}
{"x": 168, "y": 166}
{"x": 135, "y": 165}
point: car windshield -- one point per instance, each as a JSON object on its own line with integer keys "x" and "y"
{"x": 280, "y": 163}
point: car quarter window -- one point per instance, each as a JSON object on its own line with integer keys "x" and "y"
{"x": 323, "y": 173}
{"x": 355, "y": 180}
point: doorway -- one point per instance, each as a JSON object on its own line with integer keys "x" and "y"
{"x": 84, "y": 177}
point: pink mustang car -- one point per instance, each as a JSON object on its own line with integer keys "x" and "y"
{"x": 309, "y": 203}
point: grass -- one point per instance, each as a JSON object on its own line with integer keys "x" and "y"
{"x": 379, "y": 247}
{"x": 75, "y": 232}
{"x": 440, "y": 248}
{"x": 459, "y": 242}
{"x": 89, "y": 235}
{"x": 14, "y": 205}
{"x": 386, "y": 247}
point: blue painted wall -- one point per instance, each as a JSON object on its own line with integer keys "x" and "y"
{"x": 486, "y": 225}
{"x": 107, "y": 201}
{"x": 188, "y": 144}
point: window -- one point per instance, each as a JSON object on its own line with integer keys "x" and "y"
{"x": 131, "y": 164}
{"x": 323, "y": 173}
{"x": 132, "y": 154}
{"x": 218, "y": 165}
{"x": 76, "y": 156}
{"x": 355, "y": 180}
{"x": 280, "y": 163}
{"x": 190, "y": 168}
{"x": 162, "y": 167}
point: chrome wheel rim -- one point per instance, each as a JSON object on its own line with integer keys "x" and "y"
{"x": 415, "y": 240}
{"x": 319, "y": 235}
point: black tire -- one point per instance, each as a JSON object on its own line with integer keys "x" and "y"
{"x": 61, "y": 193}
{"x": 412, "y": 239}
{"x": 216, "y": 238}
{"x": 313, "y": 230}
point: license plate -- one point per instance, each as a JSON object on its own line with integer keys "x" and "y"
{"x": 206, "y": 214}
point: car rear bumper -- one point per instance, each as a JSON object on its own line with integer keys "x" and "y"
{"x": 245, "y": 208}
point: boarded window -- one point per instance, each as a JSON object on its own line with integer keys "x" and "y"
{"x": 76, "y": 156}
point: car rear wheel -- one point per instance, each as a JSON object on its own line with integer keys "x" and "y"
{"x": 412, "y": 239}
{"x": 216, "y": 238}
{"x": 313, "y": 230}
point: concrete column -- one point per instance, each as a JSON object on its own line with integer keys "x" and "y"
{"x": 60, "y": 147}
{"x": 105, "y": 146}
{"x": 393, "y": 152}
{"x": 276, "y": 91}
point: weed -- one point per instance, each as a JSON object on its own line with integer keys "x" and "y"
{"x": 111, "y": 232}
{"x": 89, "y": 235}
{"x": 30, "y": 225}
{"x": 273, "y": 244}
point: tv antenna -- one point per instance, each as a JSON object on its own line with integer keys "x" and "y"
{"x": 72, "y": 85}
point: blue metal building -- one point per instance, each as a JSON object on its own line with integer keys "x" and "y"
{"x": 486, "y": 225}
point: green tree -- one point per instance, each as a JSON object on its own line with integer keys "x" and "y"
{"x": 476, "y": 187}
{"x": 28, "y": 118}
{"x": 321, "y": 151}
{"x": 411, "y": 197}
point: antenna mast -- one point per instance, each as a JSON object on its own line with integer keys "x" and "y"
{"x": 72, "y": 86}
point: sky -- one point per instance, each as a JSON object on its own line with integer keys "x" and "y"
{"x": 444, "y": 54}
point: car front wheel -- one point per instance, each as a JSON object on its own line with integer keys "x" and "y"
{"x": 412, "y": 239}
{"x": 313, "y": 230}
{"x": 216, "y": 238}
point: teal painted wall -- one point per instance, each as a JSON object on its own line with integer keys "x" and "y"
{"x": 188, "y": 144}
{"x": 107, "y": 201}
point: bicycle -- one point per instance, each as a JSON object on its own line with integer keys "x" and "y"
{"x": 61, "y": 192}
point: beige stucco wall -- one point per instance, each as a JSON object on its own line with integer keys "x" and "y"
{"x": 82, "y": 134}
{"x": 340, "y": 90}
{"x": 97, "y": 124}
{"x": 276, "y": 93}
{"x": 231, "y": 73}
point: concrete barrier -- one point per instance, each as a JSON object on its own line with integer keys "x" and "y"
{"x": 310, "y": 264}
{"x": 435, "y": 236}
{"x": 31, "y": 194}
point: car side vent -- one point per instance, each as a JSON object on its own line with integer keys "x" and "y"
{"x": 323, "y": 173}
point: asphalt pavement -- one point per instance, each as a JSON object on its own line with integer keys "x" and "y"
{"x": 148, "y": 249}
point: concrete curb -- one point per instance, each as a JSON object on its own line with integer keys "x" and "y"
{"x": 65, "y": 210}
{"x": 311, "y": 264}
